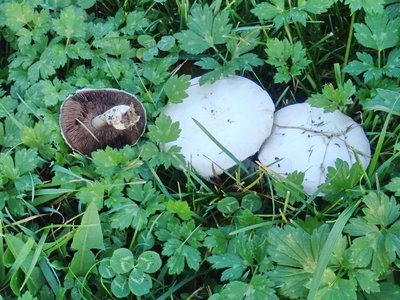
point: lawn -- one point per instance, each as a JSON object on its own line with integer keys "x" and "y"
{"x": 137, "y": 221}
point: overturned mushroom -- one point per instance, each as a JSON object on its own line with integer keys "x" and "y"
{"x": 235, "y": 111}
{"x": 306, "y": 139}
{"x": 92, "y": 119}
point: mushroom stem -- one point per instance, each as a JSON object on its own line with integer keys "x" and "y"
{"x": 120, "y": 117}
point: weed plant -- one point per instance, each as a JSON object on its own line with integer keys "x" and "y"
{"x": 126, "y": 223}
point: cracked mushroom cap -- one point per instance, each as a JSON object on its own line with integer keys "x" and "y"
{"x": 306, "y": 139}
{"x": 79, "y": 110}
{"x": 236, "y": 111}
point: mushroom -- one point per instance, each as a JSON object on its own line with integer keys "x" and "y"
{"x": 308, "y": 140}
{"x": 92, "y": 119}
{"x": 234, "y": 110}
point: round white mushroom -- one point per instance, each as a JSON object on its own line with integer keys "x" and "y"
{"x": 306, "y": 139}
{"x": 234, "y": 110}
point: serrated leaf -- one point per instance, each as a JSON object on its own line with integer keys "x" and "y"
{"x": 385, "y": 100}
{"x": 234, "y": 265}
{"x": 338, "y": 288}
{"x": 394, "y": 186}
{"x": 291, "y": 186}
{"x": 367, "y": 280}
{"x": 381, "y": 210}
{"x": 205, "y": 30}
{"x": 122, "y": 261}
{"x": 92, "y": 193}
{"x": 378, "y": 241}
{"x": 378, "y": 32}
{"x": 71, "y": 24}
{"x": 370, "y": 6}
{"x": 289, "y": 59}
{"x": 18, "y": 15}
{"x": 175, "y": 88}
{"x": 89, "y": 234}
{"x": 179, "y": 207}
{"x": 135, "y": 21}
{"x": 216, "y": 240}
{"x": 164, "y": 130}
{"x": 341, "y": 179}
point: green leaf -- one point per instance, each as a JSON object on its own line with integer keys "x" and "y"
{"x": 270, "y": 11}
{"x": 366, "y": 65}
{"x": 166, "y": 43}
{"x": 378, "y": 32}
{"x": 71, "y": 24}
{"x": 338, "y": 289}
{"x": 105, "y": 269}
{"x": 381, "y": 210}
{"x": 179, "y": 207}
{"x": 385, "y": 100}
{"x": 228, "y": 205}
{"x": 377, "y": 242}
{"x": 135, "y": 21}
{"x": 341, "y": 179}
{"x": 388, "y": 291}
{"x": 216, "y": 240}
{"x": 149, "y": 262}
{"x": 181, "y": 245}
{"x": 37, "y": 136}
{"x": 89, "y": 234}
{"x": 394, "y": 186}
{"x": 18, "y": 15}
{"x": 139, "y": 282}
{"x": 26, "y": 160}
{"x": 120, "y": 286}
{"x": 331, "y": 99}
{"x": 164, "y": 130}
{"x": 291, "y": 186}
{"x": 259, "y": 288}
{"x": 297, "y": 252}
{"x": 289, "y": 59}
{"x": 110, "y": 161}
{"x": 252, "y": 202}
{"x": 85, "y": 4}
{"x": 122, "y": 261}
{"x": 234, "y": 265}
{"x": 92, "y": 193}
{"x": 21, "y": 255}
{"x": 370, "y": 6}
{"x": 82, "y": 263}
{"x": 175, "y": 88}
{"x": 206, "y": 30}
{"x": 367, "y": 280}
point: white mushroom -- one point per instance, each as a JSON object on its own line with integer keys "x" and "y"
{"x": 308, "y": 140}
{"x": 235, "y": 111}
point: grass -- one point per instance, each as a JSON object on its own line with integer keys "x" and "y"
{"x": 247, "y": 234}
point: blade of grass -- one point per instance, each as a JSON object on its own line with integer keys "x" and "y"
{"x": 326, "y": 252}
{"x": 35, "y": 257}
{"x": 216, "y": 142}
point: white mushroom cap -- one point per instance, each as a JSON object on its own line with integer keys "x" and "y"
{"x": 236, "y": 111}
{"x": 306, "y": 139}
